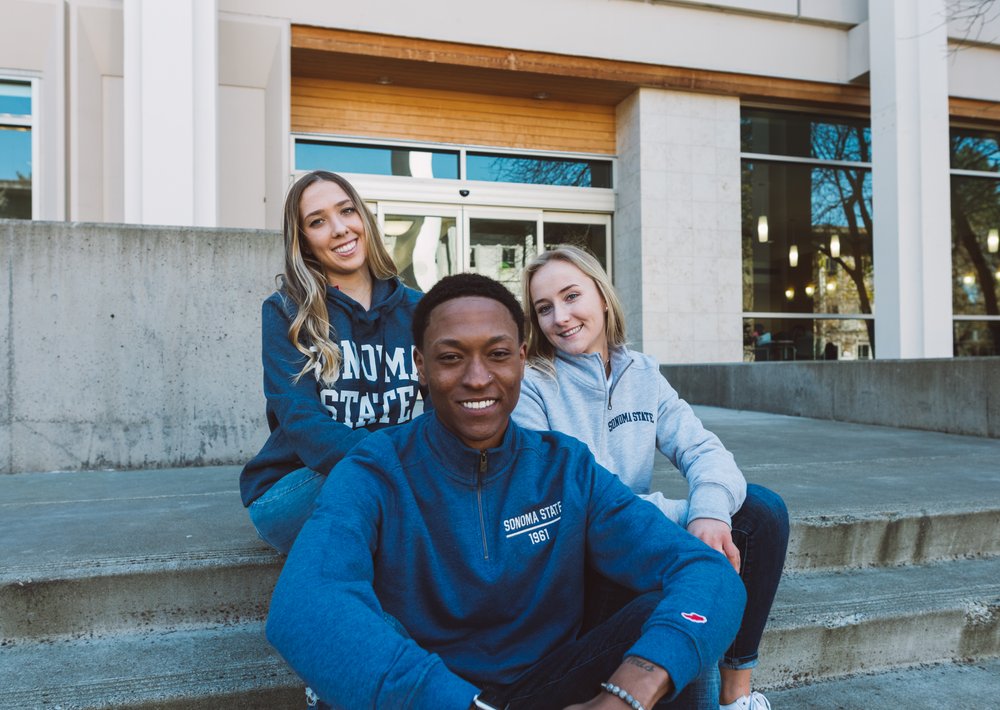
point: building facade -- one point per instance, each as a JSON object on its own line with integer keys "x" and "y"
{"x": 825, "y": 171}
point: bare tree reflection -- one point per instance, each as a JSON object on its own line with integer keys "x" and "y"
{"x": 975, "y": 209}
{"x": 842, "y": 199}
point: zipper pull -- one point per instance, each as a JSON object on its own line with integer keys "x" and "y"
{"x": 482, "y": 463}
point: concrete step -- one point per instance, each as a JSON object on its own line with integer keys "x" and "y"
{"x": 92, "y": 553}
{"x": 198, "y": 669}
{"x": 861, "y": 495}
{"x": 955, "y": 686}
{"x": 835, "y": 623}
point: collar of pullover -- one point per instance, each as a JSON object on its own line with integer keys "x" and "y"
{"x": 589, "y": 369}
{"x": 462, "y": 463}
{"x": 386, "y": 293}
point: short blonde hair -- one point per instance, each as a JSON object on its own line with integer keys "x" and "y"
{"x": 542, "y": 353}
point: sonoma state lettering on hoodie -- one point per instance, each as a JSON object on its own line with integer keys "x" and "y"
{"x": 314, "y": 424}
{"x": 371, "y": 364}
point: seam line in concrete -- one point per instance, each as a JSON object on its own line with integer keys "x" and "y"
{"x": 9, "y": 250}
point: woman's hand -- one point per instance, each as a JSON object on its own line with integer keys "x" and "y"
{"x": 717, "y": 535}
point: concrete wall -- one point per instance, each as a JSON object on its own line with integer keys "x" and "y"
{"x": 960, "y": 396}
{"x": 129, "y": 347}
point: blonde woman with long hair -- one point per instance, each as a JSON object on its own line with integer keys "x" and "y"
{"x": 337, "y": 352}
{"x": 583, "y": 380}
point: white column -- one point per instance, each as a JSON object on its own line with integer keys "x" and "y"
{"x": 910, "y": 180}
{"x": 171, "y": 90}
{"x": 677, "y": 225}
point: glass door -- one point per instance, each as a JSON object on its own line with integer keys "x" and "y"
{"x": 591, "y": 232}
{"x": 429, "y": 241}
{"x": 423, "y": 240}
{"x": 501, "y": 242}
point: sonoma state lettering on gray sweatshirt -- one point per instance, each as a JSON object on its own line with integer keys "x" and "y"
{"x": 625, "y": 421}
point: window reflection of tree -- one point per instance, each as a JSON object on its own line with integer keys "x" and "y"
{"x": 842, "y": 199}
{"x": 542, "y": 172}
{"x": 975, "y": 209}
{"x": 15, "y": 197}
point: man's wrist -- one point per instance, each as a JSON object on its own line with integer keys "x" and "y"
{"x": 623, "y": 695}
{"x": 646, "y": 682}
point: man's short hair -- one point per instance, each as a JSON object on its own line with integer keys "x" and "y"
{"x": 460, "y": 286}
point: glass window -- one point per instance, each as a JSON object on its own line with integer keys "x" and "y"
{"x": 807, "y": 227}
{"x": 500, "y": 248}
{"x": 423, "y": 247}
{"x": 15, "y": 149}
{"x": 375, "y": 160}
{"x": 975, "y": 241}
{"x": 805, "y": 136}
{"x": 976, "y": 338}
{"x": 770, "y": 339}
{"x": 538, "y": 170}
{"x": 591, "y": 237}
{"x": 975, "y": 150}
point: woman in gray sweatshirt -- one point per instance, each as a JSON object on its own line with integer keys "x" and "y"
{"x": 582, "y": 380}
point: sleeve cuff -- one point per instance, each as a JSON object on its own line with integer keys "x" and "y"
{"x": 710, "y": 500}
{"x": 681, "y": 661}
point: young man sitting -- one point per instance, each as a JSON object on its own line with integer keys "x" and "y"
{"x": 444, "y": 565}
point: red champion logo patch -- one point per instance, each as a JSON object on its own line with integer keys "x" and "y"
{"x": 694, "y": 617}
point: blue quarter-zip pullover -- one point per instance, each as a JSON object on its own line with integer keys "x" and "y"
{"x": 481, "y": 555}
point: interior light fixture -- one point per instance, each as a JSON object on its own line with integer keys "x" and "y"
{"x": 993, "y": 241}
{"x": 968, "y": 279}
{"x": 790, "y": 293}
{"x": 810, "y": 290}
{"x": 831, "y": 286}
{"x": 762, "y": 229}
{"x": 835, "y": 246}
{"x": 793, "y": 256}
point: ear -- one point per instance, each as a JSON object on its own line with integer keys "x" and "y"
{"x": 418, "y": 360}
{"x": 522, "y": 353}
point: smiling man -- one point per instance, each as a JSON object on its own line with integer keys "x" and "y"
{"x": 444, "y": 565}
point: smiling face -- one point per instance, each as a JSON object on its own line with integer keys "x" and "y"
{"x": 472, "y": 361}
{"x": 569, "y": 309}
{"x": 334, "y": 230}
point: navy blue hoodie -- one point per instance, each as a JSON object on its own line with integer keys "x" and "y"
{"x": 480, "y": 556}
{"x": 315, "y": 425}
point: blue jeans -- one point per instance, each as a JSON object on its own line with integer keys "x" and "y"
{"x": 574, "y": 672}
{"x": 760, "y": 532}
{"x": 280, "y": 513}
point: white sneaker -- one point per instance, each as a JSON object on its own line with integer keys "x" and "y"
{"x": 754, "y": 701}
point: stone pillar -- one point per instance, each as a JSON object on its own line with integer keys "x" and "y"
{"x": 171, "y": 90}
{"x": 678, "y": 263}
{"x": 910, "y": 180}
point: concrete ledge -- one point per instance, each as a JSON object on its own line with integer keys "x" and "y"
{"x": 955, "y": 396}
{"x": 129, "y": 346}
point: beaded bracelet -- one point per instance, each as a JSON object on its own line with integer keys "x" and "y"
{"x": 623, "y": 695}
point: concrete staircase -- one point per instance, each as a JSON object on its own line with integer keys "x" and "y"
{"x": 143, "y": 589}
{"x": 149, "y": 588}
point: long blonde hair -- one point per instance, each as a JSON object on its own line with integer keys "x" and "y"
{"x": 304, "y": 279}
{"x": 542, "y": 353}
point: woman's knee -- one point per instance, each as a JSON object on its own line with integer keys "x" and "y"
{"x": 765, "y": 511}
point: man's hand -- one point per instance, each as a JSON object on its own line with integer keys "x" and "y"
{"x": 717, "y": 535}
